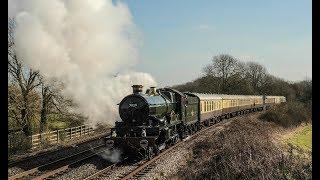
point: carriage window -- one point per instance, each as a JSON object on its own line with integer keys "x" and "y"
{"x": 205, "y": 106}
{"x": 201, "y": 106}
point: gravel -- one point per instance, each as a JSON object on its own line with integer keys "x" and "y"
{"x": 95, "y": 165}
{"x": 81, "y": 172}
{"x": 14, "y": 170}
{"x": 52, "y": 156}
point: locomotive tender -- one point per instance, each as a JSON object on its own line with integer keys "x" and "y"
{"x": 160, "y": 117}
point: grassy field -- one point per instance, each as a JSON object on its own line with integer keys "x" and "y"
{"x": 301, "y": 138}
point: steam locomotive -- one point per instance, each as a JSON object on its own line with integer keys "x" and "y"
{"x": 156, "y": 119}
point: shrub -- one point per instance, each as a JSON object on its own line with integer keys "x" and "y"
{"x": 18, "y": 143}
{"x": 244, "y": 151}
{"x": 286, "y": 115}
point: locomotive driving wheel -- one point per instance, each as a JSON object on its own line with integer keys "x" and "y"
{"x": 156, "y": 150}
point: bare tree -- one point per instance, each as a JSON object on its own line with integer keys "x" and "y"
{"x": 24, "y": 77}
{"x": 22, "y": 110}
{"x": 52, "y": 100}
{"x": 46, "y": 99}
{"x": 256, "y": 75}
{"x": 224, "y": 67}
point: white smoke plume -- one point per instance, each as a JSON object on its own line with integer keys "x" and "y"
{"x": 111, "y": 155}
{"x": 90, "y": 45}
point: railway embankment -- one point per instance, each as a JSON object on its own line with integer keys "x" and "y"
{"x": 243, "y": 148}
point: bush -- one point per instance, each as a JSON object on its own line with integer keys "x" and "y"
{"x": 18, "y": 143}
{"x": 244, "y": 151}
{"x": 288, "y": 114}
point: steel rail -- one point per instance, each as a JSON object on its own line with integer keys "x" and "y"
{"x": 41, "y": 154}
{"x": 56, "y": 162}
{"x": 148, "y": 164}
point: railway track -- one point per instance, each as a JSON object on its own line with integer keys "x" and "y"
{"x": 57, "y": 167}
{"x": 131, "y": 171}
{"x": 17, "y": 162}
{"x": 149, "y": 165}
{"x": 138, "y": 170}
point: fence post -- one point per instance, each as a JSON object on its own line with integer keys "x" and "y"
{"x": 58, "y": 136}
{"x": 31, "y": 142}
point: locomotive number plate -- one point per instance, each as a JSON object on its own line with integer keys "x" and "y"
{"x": 133, "y": 105}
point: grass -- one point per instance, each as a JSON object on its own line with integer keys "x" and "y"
{"x": 301, "y": 139}
{"x": 58, "y": 125}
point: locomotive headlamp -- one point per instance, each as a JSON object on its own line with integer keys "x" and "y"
{"x": 144, "y": 143}
{"x": 109, "y": 143}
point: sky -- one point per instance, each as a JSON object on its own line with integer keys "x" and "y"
{"x": 180, "y": 37}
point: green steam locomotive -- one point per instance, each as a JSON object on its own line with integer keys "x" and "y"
{"x": 156, "y": 119}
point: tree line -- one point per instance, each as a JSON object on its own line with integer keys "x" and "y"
{"x": 226, "y": 74}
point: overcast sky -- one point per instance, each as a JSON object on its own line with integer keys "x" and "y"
{"x": 180, "y": 36}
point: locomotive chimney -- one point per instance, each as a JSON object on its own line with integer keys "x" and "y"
{"x": 137, "y": 89}
{"x": 153, "y": 90}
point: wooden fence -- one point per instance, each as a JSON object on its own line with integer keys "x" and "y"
{"x": 59, "y": 136}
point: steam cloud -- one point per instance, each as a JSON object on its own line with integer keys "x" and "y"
{"x": 83, "y": 43}
{"x": 111, "y": 155}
